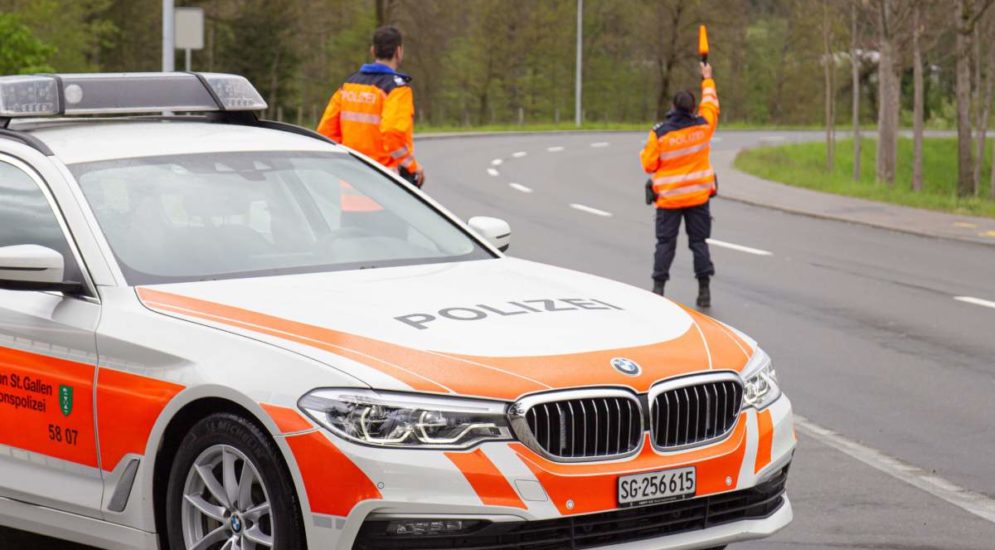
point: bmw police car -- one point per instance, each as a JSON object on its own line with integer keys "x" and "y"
{"x": 218, "y": 332}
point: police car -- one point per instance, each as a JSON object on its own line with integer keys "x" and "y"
{"x": 218, "y": 332}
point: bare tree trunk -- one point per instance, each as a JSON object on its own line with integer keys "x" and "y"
{"x": 888, "y": 98}
{"x": 965, "y": 157}
{"x": 984, "y": 109}
{"x": 917, "y": 100}
{"x": 855, "y": 70}
{"x": 828, "y": 65}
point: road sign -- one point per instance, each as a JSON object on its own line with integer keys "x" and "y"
{"x": 188, "y": 28}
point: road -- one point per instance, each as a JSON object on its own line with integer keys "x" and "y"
{"x": 863, "y": 325}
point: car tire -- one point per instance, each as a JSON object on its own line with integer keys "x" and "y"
{"x": 228, "y": 483}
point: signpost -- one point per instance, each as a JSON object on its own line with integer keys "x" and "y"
{"x": 188, "y": 31}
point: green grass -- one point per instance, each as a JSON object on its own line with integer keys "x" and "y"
{"x": 804, "y": 165}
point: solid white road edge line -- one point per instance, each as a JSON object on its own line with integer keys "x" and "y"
{"x": 969, "y": 501}
{"x": 739, "y": 247}
{"x": 975, "y": 301}
{"x": 590, "y": 210}
{"x": 519, "y": 154}
{"x": 519, "y": 187}
{"x": 600, "y": 144}
{"x": 493, "y": 172}
{"x": 496, "y": 162}
{"x": 554, "y": 149}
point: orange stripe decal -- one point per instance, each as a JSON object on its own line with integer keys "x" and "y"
{"x": 334, "y": 484}
{"x": 33, "y": 414}
{"x": 765, "y": 443}
{"x": 138, "y": 399}
{"x": 594, "y": 487}
{"x": 288, "y": 420}
{"x": 493, "y": 377}
{"x": 485, "y": 478}
{"x": 729, "y": 352}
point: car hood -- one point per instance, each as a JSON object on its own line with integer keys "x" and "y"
{"x": 497, "y": 328}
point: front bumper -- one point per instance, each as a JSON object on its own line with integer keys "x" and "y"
{"x": 520, "y": 499}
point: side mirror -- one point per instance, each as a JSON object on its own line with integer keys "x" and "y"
{"x": 495, "y": 231}
{"x": 33, "y": 267}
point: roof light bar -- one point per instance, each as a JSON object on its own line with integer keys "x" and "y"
{"x": 125, "y": 93}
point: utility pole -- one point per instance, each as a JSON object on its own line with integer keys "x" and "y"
{"x": 168, "y": 51}
{"x": 578, "y": 104}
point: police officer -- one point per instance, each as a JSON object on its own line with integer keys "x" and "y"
{"x": 683, "y": 182}
{"x": 373, "y": 112}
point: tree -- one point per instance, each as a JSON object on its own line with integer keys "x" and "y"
{"x": 829, "y": 68}
{"x": 917, "y": 101}
{"x": 967, "y": 15}
{"x": 21, "y": 51}
{"x": 855, "y": 84}
{"x": 891, "y": 17}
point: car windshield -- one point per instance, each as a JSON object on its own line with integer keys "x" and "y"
{"x": 229, "y": 215}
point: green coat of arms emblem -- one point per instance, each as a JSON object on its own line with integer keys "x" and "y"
{"x": 66, "y": 399}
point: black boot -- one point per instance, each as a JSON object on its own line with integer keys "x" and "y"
{"x": 658, "y": 287}
{"x": 704, "y": 293}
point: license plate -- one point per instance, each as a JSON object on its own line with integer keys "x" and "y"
{"x": 653, "y": 487}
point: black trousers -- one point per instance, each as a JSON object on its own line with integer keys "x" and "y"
{"x": 698, "y": 224}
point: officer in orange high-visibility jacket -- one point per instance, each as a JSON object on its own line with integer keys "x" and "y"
{"x": 373, "y": 112}
{"x": 683, "y": 181}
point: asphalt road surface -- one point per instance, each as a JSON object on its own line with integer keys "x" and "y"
{"x": 894, "y": 376}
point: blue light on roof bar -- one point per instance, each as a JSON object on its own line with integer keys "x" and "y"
{"x": 125, "y": 93}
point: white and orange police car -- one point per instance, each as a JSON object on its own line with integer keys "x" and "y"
{"x": 218, "y": 332}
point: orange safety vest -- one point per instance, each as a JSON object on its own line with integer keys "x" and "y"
{"x": 677, "y": 154}
{"x": 374, "y": 113}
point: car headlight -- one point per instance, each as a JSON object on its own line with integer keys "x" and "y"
{"x": 388, "y": 419}
{"x": 760, "y": 387}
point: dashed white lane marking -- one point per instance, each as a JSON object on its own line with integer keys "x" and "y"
{"x": 554, "y": 149}
{"x": 975, "y": 301}
{"x": 497, "y": 162}
{"x": 716, "y": 139}
{"x": 739, "y": 247}
{"x": 493, "y": 172}
{"x": 772, "y": 138}
{"x": 969, "y": 501}
{"x": 590, "y": 210}
{"x": 520, "y": 187}
{"x": 519, "y": 154}
{"x": 600, "y": 144}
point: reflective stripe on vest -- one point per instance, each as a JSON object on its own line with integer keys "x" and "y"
{"x": 363, "y": 118}
{"x": 680, "y": 178}
{"x": 687, "y": 190}
{"x": 399, "y": 153}
{"x": 666, "y": 155}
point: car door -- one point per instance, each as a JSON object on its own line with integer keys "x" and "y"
{"x": 48, "y": 445}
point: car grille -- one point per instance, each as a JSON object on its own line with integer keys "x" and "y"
{"x": 584, "y": 428}
{"x": 616, "y": 527}
{"x": 694, "y": 414}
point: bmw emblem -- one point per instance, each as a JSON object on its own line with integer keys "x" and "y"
{"x": 626, "y": 366}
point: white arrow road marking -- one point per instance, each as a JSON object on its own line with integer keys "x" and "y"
{"x": 493, "y": 172}
{"x": 975, "y": 301}
{"x": 590, "y": 210}
{"x": 975, "y": 503}
{"x": 600, "y": 144}
{"x": 519, "y": 154}
{"x": 739, "y": 247}
{"x": 496, "y": 162}
{"x": 520, "y": 187}
{"x": 554, "y": 149}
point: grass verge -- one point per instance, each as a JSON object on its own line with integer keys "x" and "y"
{"x": 804, "y": 165}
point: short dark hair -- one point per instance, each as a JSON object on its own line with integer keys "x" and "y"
{"x": 684, "y": 101}
{"x": 386, "y": 40}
